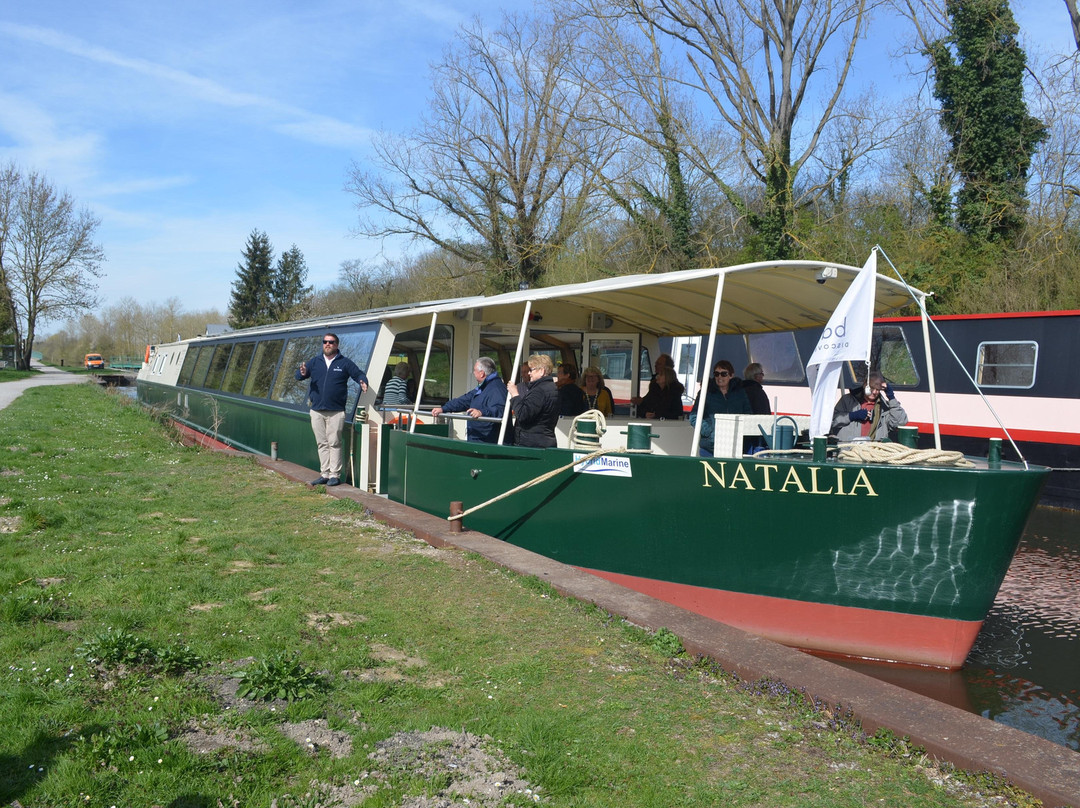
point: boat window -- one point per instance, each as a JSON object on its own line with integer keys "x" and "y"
{"x": 202, "y": 364}
{"x": 645, "y": 366}
{"x": 238, "y": 367}
{"x": 409, "y": 346}
{"x": 778, "y": 355}
{"x": 889, "y": 353}
{"x": 287, "y": 388}
{"x": 614, "y": 357}
{"x": 357, "y": 344}
{"x": 217, "y": 366}
{"x": 261, "y": 376}
{"x": 1007, "y": 364}
{"x": 686, "y": 361}
{"x": 189, "y": 366}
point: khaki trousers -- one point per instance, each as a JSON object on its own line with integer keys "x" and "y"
{"x": 327, "y": 426}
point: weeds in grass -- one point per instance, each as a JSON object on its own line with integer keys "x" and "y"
{"x": 281, "y": 676}
{"x": 115, "y": 647}
{"x": 666, "y": 643}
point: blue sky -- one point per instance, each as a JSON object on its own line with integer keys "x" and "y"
{"x": 183, "y": 126}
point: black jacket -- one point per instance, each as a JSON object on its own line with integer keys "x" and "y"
{"x": 536, "y": 411}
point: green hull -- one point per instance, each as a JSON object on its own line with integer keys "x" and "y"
{"x": 920, "y": 541}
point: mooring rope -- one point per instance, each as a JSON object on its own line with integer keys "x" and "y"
{"x": 536, "y": 481}
{"x": 587, "y": 440}
{"x": 896, "y": 454}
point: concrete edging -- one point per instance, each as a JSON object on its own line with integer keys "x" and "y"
{"x": 1044, "y": 769}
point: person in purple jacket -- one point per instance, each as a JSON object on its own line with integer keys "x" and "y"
{"x": 327, "y": 394}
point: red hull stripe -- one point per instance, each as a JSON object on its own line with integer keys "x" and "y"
{"x": 197, "y": 438}
{"x": 1019, "y": 435}
{"x": 837, "y": 630}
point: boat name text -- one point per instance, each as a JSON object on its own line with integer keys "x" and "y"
{"x": 768, "y": 477}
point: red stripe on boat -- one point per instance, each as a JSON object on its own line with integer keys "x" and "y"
{"x": 822, "y": 628}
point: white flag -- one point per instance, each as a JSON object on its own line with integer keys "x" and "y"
{"x": 845, "y": 339}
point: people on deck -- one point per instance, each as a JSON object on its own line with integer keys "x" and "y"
{"x": 868, "y": 411}
{"x": 328, "y": 391}
{"x": 396, "y": 391}
{"x": 662, "y": 361}
{"x": 664, "y": 399}
{"x": 753, "y": 376}
{"x": 486, "y": 400}
{"x": 571, "y": 399}
{"x": 597, "y": 396}
{"x": 723, "y": 394}
{"x": 536, "y": 408}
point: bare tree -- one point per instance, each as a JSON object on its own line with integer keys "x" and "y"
{"x": 760, "y": 65}
{"x": 1074, "y": 18}
{"x": 48, "y": 259}
{"x": 502, "y": 173}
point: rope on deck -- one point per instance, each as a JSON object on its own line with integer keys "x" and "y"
{"x": 896, "y": 454}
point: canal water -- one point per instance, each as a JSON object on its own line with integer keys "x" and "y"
{"x": 1024, "y": 670}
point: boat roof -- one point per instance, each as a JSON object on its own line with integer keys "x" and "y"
{"x": 759, "y": 297}
{"x": 756, "y": 298}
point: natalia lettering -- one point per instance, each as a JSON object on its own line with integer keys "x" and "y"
{"x": 797, "y": 479}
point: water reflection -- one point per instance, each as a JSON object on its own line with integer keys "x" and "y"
{"x": 1024, "y": 670}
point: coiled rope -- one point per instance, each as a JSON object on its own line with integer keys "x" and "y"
{"x": 588, "y": 440}
{"x": 896, "y": 454}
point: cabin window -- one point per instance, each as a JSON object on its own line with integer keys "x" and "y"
{"x": 778, "y": 355}
{"x": 217, "y": 367}
{"x": 287, "y": 388}
{"x": 238, "y": 367}
{"x": 202, "y": 364}
{"x": 889, "y": 353}
{"x": 686, "y": 361}
{"x": 188, "y": 367}
{"x": 267, "y": 354}
{"x": 1007, "y": 364}
{"x": 614, "y": 357}
{"x": 409, "y": 346}
{"x": 356, "y": 343}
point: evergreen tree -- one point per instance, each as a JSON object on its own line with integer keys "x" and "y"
{"x": 288, "y": 290}
{"x": 252, "y": 290}
{"x": 979, "y": 72}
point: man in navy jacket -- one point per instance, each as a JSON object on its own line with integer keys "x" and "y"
{"x": 328, "y": 391}
{"x": 487, "y": 399}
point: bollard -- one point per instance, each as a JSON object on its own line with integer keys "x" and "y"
{"x": 993, "y": 457}
{"x": 909, "y": 436}
{"x": 456, "y": 510}
{"x": 820, "y": 445}
{"x": 273, "y": 450}
{"x": 639, "y": 438}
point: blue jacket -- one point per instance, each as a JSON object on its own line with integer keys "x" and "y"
{"x": 490, "y": 398}
{"x": 329, "y": 388}
{"x": 716, "y": 402}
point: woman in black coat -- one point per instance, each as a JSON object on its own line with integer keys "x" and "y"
{"x": 536, "y": 408}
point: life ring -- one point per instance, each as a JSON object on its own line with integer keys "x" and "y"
{"x": 147, "y": 359}
{"x": 402, "y": 419}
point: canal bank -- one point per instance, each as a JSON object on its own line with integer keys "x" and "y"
{"x": 1046, "y": 770}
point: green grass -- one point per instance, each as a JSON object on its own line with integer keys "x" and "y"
{"x": 140, "y": 570}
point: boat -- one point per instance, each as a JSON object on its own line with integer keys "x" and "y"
{"x": 1004, "y": 375}
{"x": 821, "y": 550}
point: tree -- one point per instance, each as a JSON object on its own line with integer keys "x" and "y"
{"x": 252, "y": 290}
{"x": 287, "y": 288}
{"x": 979, "y": 79}
{"x": 48, "y": 258}
{"x": 502, "y": 174}
{"x": 757, "y": 64}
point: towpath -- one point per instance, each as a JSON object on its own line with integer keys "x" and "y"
{"x": 9, "y": 391}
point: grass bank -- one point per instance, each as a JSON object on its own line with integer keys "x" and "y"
{"x": 182, "y": 628}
